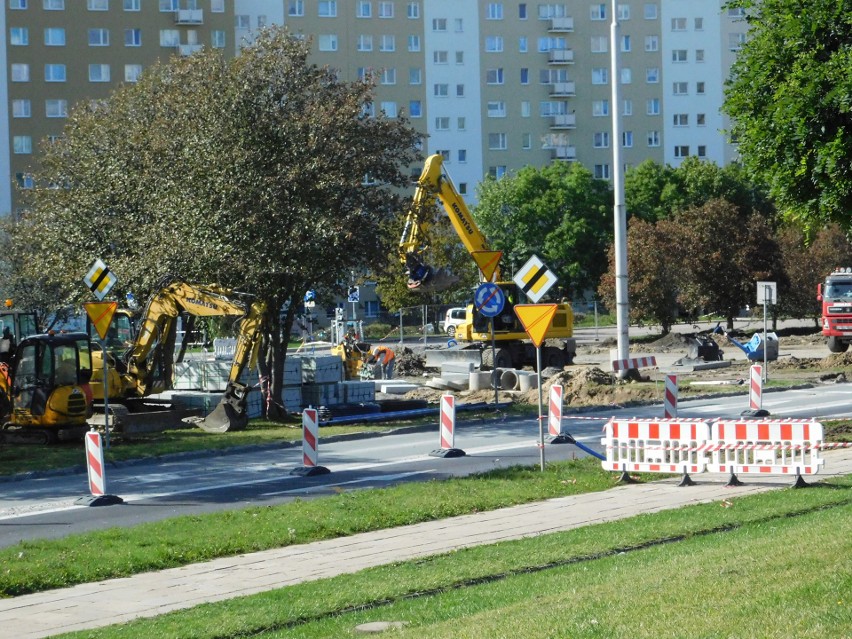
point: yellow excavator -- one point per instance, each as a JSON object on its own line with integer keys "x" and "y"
{"x": 45, "y": 395}
{"x": 513, "y": 348}
{"x": 146, "y": 367}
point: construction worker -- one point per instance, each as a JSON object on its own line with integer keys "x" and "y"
{"x": 384, "y": 358}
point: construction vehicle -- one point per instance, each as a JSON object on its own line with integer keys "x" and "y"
{"x": 147, "y": 367}
{"x": 513, "y": 348}
{"x": 354, "y": 354}
{"x": 45, "y": 395}
{"x": 835, "y": 295}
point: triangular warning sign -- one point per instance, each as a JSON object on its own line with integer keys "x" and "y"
{"x": 101, "y": 315}
{"x": 487, "y": 261}
{"x": 536, "y": 319}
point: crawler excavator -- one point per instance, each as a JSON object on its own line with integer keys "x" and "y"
{"x": 513, "y": 347}
{"x": 147, "y": 366}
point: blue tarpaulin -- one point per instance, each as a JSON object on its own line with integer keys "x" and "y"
{"x": 754, "y": 347}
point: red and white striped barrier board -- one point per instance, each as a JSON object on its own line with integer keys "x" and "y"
{"x": 661, "y": 446}
{"x": 634, "y": 362}
{"x": 95, "y": 464}
{"x": 448, "y": 421}
{"x": 776, "y": 447}
{"x": 755, "y": 393}
{"x": 310, "y": 437}
{"x": 670, "y": 397}
{"x": 554, "y": 415}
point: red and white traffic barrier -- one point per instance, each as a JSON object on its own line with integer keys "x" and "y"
{"x": 634, "y": 362}
{"x": 310, "y": 445}
{"x": 554, "y": 414}
{"x": 447, "y": 420}
{"x": 670, "y": 397}
{"x": 755, "y": 392}
{"x": 662, "y": 446}
{"x": 97, "y": 473}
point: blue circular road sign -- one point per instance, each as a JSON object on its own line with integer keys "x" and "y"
{"x": 489, "y": 299}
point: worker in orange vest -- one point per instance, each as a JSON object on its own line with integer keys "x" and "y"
{"x": 385, "y": 358}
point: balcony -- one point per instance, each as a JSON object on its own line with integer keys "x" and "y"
{"x": 562, "y": 89}
{"x": 564, "y": 121}
{"x": 561, "y": 25}
{"x": 561, "y": 56}
{"x": 189, "y": 49}
{"x": 567, "y": 153}
{"x": 189, "y": 16}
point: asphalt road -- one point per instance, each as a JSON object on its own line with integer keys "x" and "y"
{"x": 44, "y": 506}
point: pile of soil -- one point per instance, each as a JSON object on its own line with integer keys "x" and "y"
{"x": 836, "y": 360}
{"x": 409, "y": 363}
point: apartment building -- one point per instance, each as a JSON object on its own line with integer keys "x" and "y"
{"x": 495, "y": 85}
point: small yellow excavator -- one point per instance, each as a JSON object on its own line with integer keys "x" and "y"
{"x": 45, "y": 395}
{"x": 146, "y": 367}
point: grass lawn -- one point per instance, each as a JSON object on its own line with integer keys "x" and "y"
{"x": 772, "y": 565}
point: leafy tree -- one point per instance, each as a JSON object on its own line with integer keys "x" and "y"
{"x": 249, "y": 172}
{"x": 645, "y": 189}
{"x": 559, "y": 212}
{"x": 788, "y": 97}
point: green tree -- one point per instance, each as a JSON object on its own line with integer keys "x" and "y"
{"x": 789, "y": 99}
{"x": 263, "y": 173}
{"x": 560, "y": 213}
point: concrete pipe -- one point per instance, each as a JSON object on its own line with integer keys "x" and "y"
{"x": 480, "y": 380}
{"x": 527, "y": 381}
{"x": 509, "y": 379}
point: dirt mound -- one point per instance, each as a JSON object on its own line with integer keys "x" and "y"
{"x": 577, "y": 382}
{"x": 793, "y": 362}
{"x": 409, "y": 363}
{"x": 836, "y": 360}
{"x": 667, "y": 343}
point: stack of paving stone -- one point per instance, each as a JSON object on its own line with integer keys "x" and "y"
{"x": 322, "y": 377}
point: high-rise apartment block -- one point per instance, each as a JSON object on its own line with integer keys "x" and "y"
{"x": 495, "y": 85}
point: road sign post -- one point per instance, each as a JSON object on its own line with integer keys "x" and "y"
{"x": 767, "y": 293}
{"x": 490, "y": 300}
{"x": 101, "y": 315}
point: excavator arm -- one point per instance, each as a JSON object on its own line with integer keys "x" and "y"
{"x": 435, "y": 185}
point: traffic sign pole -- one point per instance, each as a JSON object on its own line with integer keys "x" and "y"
{"x": 540, "y": 407}
{"x": 494, "y": 359}
{"x": 106, "y": 395}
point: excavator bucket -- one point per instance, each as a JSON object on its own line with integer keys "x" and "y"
{"x": 436, "y": 280}
{"x": 230, "y": 414}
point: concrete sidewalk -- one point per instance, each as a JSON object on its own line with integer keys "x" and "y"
{"x": 118, "y": 600}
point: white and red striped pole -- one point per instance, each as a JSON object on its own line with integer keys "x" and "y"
{"x": 554, "y": 416}
{"x": 755, "y": 394}
{"x": 97, "y": 473}
{"x": 670, "y": 397}
{"x": 310, "y": 445}
{"x": 447, "y": 419}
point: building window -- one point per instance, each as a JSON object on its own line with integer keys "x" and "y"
{"x": 494, "y": 76}
{"x": 169, "y": 6}
{"x": 440, "y": 57}
{"x": 389, "y": 109}
{"x": 441, "y": 90}
{"x": 98, "y": 37}
{"x": 623, "y": 12}
{"x": 459, "y": 90}
{"x": 598, "y": 12}
{"x": 242, "y": 21}
{"x": 650, "y": 11}
{"x": 600, "y": 108}
{"x": 415, "y": 109}
{"x": 497, "y": 142}
{"x": 461, "y": 123}
{"x": 700, "y": 119}
{"x": 386, "y": 9}
{"x": 20, "y": 72}
{"x": 458, "y": 25}
{"x": 601, "y": 140}
{"x": 495, "y": 11}
{"x": 387, "y": 43}
{"x": 678, "y": 24}
{"x": 497, "y": 171}
{"x": 699, "y": 88}
{"x": 627, "y": 107}
{"x": 459, "y": 57}
{"x": 388, "y": 75}
{"x": 415, "y": 75}
{"x": 600, "y": 44}
{"x": 652, "y": 43}
{"x": 217, "y": 6}
{"x": 327, "y": 42}
{"x": 169, "y": 37}
{"x": 327, "y": 9}
{"x": 522, "y": 11}
{"x": 681, "y": 151}
{"x": 699, "y": 55}
{"x": 217, "y": 39}
{"x": 98, "y": 5}
{"x": 414, "y": 43}
{"x": 702, "y": 151}
{"x": 439, "y": 24}
{"x": 21, "y": 109}
{"x": 98, "y": 73}
{"x": 526, "y": 141}
{"x": 413, "y": 10}
{"x": 678, "y": 55}
{"x": 652, "y": 75}
{"x": 53, "y": 5}
{"x": 680, "y": 88}
{"x": 601, "y": 171}
{"x": 699, "y": 24}
{"x": 626, "y": 75}
{"x": 523, "y": 44}
{"x": 494, "y": 44}
{"x": 17, "y": 4}
{"x": 54, "y": 73}
{"x": 600, "y": 75}
{"x": 442, "y": 123}
{"x": 462, "y": 156}
{"x": 738, "y": 12}
{"x": 133, "y": 37}
{"x": 365, "y": 9}
{"x": 25, "y": 180}
{"x": 296, "y": 8}
{"x": 497, "y": 109}
{"x": 652, "y": 106}
{"x": 132, "y": 72}
{"x": 653, "y": 138}
{"x": 627, "y": 139}
{"x": 132, "y": 5}
{"x": 20, "y": 36}
{"x": 680, "y": 119}
{"x": 22, "y": 144}
{"x": 626, "y": 45}
{"x": 736, "y": 41}
{"x": 56, "y": 108}
{"x": 54, "y": 37}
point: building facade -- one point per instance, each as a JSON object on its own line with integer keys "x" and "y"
{"x": 495, "y": 85}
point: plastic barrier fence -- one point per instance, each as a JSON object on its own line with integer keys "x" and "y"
{"x": 667, "y": 446}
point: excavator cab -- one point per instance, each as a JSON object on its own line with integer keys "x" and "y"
{"x": 44, "y": 394}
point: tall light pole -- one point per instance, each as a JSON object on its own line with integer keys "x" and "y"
{"x": 620, "y": 210}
